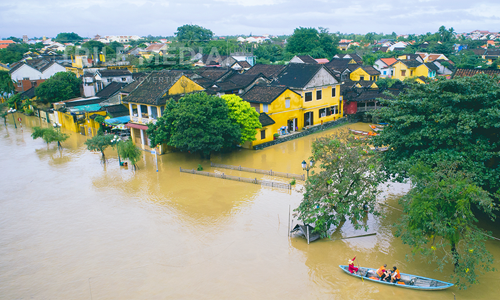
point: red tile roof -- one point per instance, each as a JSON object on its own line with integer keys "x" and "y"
{"x": 389, "y": 61}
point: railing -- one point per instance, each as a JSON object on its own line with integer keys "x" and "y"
{"x": 363, "y": 109}
{"x": 242, "y": 179}
{"x": 267, "y": 172}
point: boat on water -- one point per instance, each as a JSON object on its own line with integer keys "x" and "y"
{"x": 407, "y": 280}
{"x": 361, "y": 132}
{"x": 376, "y": 128}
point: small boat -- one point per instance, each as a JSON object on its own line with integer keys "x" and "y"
{"x": 379, "y": 149}
{"x": 376, "y": 128}
{"x": 361, "y": 132}
{"x": 407, "y": 281}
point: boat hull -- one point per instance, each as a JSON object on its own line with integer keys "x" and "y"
{"x": 410, "y": 281}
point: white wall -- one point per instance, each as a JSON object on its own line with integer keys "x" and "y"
{"x": 321, "y": 78}
{"x": 26, "y": 71}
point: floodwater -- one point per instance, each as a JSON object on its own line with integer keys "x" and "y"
{"x": 73, "y": 228}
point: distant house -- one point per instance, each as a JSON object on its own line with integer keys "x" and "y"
{"x": 105, "y": 77}
{"x": 303, "y": 59}
{"x": 322, "y": 61}
{"x": 344, "y": 44}
{"x": 269, "y": 71}
{"x": 461, "y": 72}
{"x": 4, "y": 67}
{"x": 5, "y": 43}
{"x": 241, "y": 66}
{"x": 352, "y": 56}
{"x": 363, "y": 73}
{"x": 399, "y": 46}
{"x": 32, "y": 72}
{"x": 384, "y": 66}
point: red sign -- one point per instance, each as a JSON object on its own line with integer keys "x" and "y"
{"x": 19, "y": 119}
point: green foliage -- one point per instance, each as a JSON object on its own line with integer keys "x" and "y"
{"x": 68, "y": 37}
{"x": 14, "y": 100}
{"x": 99, "y": 119}
{"x": 28, "y": 112}
{"x": 200, "y": 167}
{"x": 13, "y": 53}
{"x": 99, "y": 143}
{"x": 3, "y": 112}
{"x": 439, "y": 222}
{"x": 267, "y": 53}
{"x": 197, "y": 123}
{"x": 445, "y": 120}
{"x": 191, "y": 34}
{"x": 384, "y": 83}
{"x": 469, "y": 60}
{"x": 245, "y": 116}
{"x": 127, "y": 150}
{"x": 293, "y": 182}
{"x": 345, "y": 186}
{"x": 62, "y": 86}
{"x": 6, "y": 84}
{"x": 318, "y": 44}
{"x": 49, "y": 135}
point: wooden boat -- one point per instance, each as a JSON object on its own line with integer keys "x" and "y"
{"x": 361, "y": 132}
{"x": 407, "y": 281}
{"x": 376, "y": 128}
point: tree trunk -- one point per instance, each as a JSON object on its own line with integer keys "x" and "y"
{"x": 454, "y": 252}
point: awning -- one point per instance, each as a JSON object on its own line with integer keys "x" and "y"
{"x": 119, "y": 120}
{"x": 136, "y": 126}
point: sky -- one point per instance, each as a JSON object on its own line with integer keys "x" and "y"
{"x": 37, "y": 18}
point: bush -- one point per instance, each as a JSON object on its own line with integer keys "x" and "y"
{"x": 28, "y": 112}
{"x": 276, "y": 135}
{"x": 293, "y": 182}
{"x": 200, "y": 168}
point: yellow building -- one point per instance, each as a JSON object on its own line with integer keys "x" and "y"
{"x": 404, "y": 69}
{"x": 76, "y": 115}
{"x": 147, "y": 102}
{"x": 363, "y": 73}
{"x": 303, "y": 95}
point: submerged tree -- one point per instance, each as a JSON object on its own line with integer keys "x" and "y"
{"x": 345, "y": 186}
{"x": 241, "y": 113}
{"x": 49, "y": 135}
{"x": 127, "y": 150}
{"x": 439, "y": 221}
{"x": 99, "y": 143}
{"x": 3, "y": 112}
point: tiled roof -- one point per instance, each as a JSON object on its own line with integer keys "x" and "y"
{"x": 368, "y": 69}
{"x": 117, "y": 110}
{"x": 114, "y": 73}
{"x": 36, "y": 63}
{"x": 384, "y": 49}
{"x": 389, "y": 61}
{"x": 339, "y": 64}
{"x": 213, "y": 73}
{"x": 270, "y": 71}
{"x": 111, "y": 89}
{"x": 154, "y": 47}
{"x": 153, "y": 87}
{"x": 354, "y": 56}
{"x": 265, "y": 120}
{"x": 131, "y": 86}
{"x": 244, "y": 64}
{"x": 322, "y": 60}
{"x": 432, "y": 66}
{"x": 28, "y": 94}
{"x": 471, "y": 72}
{"x": 411, "y": 63}
{"x": 307, "y": 59}
{"x": 478, "y": 51}
{"x": 297, "y": 75}
{"x": 263, "y": 94}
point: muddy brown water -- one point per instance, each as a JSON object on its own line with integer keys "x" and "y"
{"x": 72, "y": 228}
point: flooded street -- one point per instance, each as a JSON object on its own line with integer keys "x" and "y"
{"x": 73, "y": 228}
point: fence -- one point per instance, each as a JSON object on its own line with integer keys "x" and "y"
{"x": 267, "y": 172}
{"x": 242, "y": 179}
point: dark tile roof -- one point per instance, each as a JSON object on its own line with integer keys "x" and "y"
{"x": 307, "y": 59}
{"x": 339, "y": 64}
{"x": 354, "y": 56}
{"x": 479, "y": 51}
{"x": 471, "y": 72}
{"x": 384, "y": 49}
{"x": 368, "y": 94}
{"x": 263, "y": 94}
{"x": 244, "y": 64}
{"x": 412, "y": 56}
{"x": 131, "y": 86}
{"x": 28, "y": 94}
{"x": 297, "y": 75}
{"x": 39, "y": 64}
{"x": 432, "y": 66}
{"x": 399, "y": 49}
{"x": 111, "y": 89}
{"x": 213, "y": 74}
{"x": 411, "y": 63}
{"x": 265, "y": 120}
{"x": 270, "y": 71}
{"x": 88, "y": 74}
{"x": 235, "y": 82}
{"x": 82, "y": 102}
{"x": 152, "y": 88}
{"x": 490, "y": 52}
{"x": 113, "y": 73}
{"x": 118, "y": 110}
{"x": 368, "y": 69}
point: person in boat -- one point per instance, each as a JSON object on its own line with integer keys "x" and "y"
{"x": 387, "y": 275}
{"x": 381, "y": 271}
{"x": 396, "y": 276}
{"x": 352, "y": 268}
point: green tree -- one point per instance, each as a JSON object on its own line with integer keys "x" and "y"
{"x": 453, "y": 120}
{"x": 310, "y": 41}
{"x": 61, "y": 86}
{"x": 384, "y": 83}
{"x": 439, "y": 222}
{"x": 197, "y": 123}
{"x": 4, "y": 113}
{"x": 49, "y": 135}
{"x": 192, "y": 34}
{"x": 345, "y": 186}
{"x": 68, "y": 37}
{"x": 99, "y": 143}
{"x": 13, "y": 53}
{"x": 127, "y": 150}
{"x": 6, "y": 84}
{"x": 245, "y": 116}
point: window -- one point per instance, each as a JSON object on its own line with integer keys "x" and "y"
{"x": 154, "y": 112}
{"x": 318, "y": 95}
{"x": 411, "y": 73}
{"x": 385, "y": 72}
{"x": 361, "y": 78}
{"x": 322, "y": 113}
{"x": 334, "y": 92}
{"x": 109, "y": 79}
{"x": 287, "y": 103}
{"x": 124, "y": 79}
{"x": 309, "y": 96}
{"x": 403, "y": 72}
{"x": 20, "y": 83}
{"x": 265, "y": 107}
{"x": 262, "y": 134}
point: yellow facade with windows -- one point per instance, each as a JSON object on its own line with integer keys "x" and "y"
{"x": 80, "y": 123}
{"x": 359, "y": 74}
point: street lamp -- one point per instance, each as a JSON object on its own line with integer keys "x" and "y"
{"x": 307, "y": 167}
{"x": 12, "y": 111}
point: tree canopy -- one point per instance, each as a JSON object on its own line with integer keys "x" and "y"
{"x": 241, "y": 113}
{"x": 197, "y": 123}
{"x": 62, "y": 86}
{"x": 99, "y": 143}
{"x": 6, "y": 84}
{"x": 193, "y": 34}
{"x": 318, "y": 44}
{"x": 344, "y": 186}
{"x": 445, "y": 120}
{"x": 49, "y": 135}
{"x": 68, "y": 37}
{"x": 127, "y": 150}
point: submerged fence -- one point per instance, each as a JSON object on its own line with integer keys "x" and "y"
{"x": 267, "y": 172}
{"x": 242, "y": 179}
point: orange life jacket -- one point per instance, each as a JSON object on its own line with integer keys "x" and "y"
{"x": 397, "y": 276}
{"x": 381, "y": 271}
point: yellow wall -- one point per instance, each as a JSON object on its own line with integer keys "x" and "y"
{"x": 355, "y": 76}
{"x": 398, "y": 68}
{"x": 422, "y": 70}
{"x": 78, "y": 71}
{"x": 190, "y": 86}
{"x": 67, "y": 122}
{"x": 3, "y": 69}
